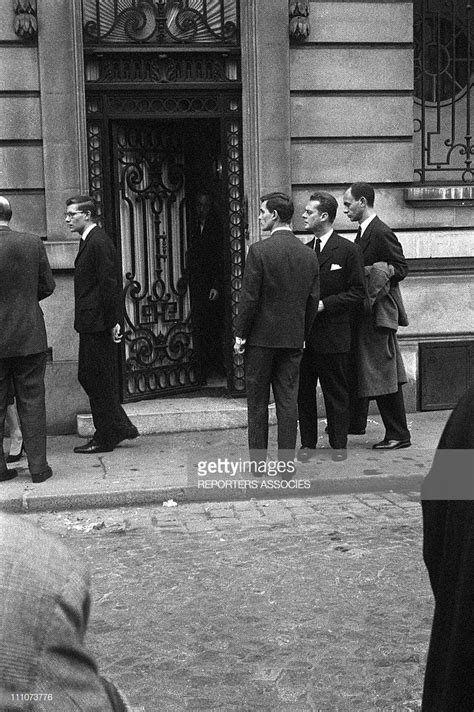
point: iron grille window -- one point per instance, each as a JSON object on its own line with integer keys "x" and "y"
{"x": 161, "y": 22}
{"x": 443, "y": 91}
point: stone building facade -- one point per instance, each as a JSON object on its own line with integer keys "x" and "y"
{"x": 141, "y": 104}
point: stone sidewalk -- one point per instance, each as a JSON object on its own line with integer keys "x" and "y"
{"x": 158, "y": 468}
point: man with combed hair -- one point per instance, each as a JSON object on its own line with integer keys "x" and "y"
{"x": 25, "y": 279}
{"x": 380, "y": 368}
{"x": 277, "y": 307}
{"x": 97, "y": 320}
{"x": 326, "y": 353}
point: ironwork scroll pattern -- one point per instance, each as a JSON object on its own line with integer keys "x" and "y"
{"x": 443, "y": 90}
{"x": 96, "y": 183}
{"x": 166, "y": 105}
{"x": 161, "y": 22}
{"x": 158, "y": 342}
{"x": 236, "y": 231}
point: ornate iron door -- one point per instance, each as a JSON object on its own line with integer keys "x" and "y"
{"x": 158, "y": 346}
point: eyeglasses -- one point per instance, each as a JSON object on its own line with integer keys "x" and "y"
{"x": 72, "y": 213}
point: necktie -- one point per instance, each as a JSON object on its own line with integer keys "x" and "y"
{"x": 358, "y": 234}
{"x": 317, "y": 246}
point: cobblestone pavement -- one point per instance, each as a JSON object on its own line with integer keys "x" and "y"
{"x": 318, "y": 604}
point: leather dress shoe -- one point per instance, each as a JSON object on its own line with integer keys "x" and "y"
{"x": 8, "y": 475}
{"x": 339, "y": 455}
{"x": 92, "y": 447}
{"x": 15, "y": 458}
{"x": 305, "y": 454}
{"x": 391, "y": 444}
{"x": 42, "y": 476}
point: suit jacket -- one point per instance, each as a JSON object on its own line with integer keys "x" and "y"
{"x": 44, "y": 604}
{"x": 280, "y": 292}
{"x": 380, "y": 244}
{"x": 25, "y": 279}
{"x": 204, "y": 259}
{"x": 96, "y": 288}
{"x": 342, "y": 281}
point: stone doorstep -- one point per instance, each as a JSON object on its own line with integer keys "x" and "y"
{"x": 180, "y": 415}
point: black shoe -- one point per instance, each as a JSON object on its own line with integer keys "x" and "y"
{"x": 92, "y": 447}
{"x": 339, "y": 455}
{"x": 15, "y": 458}
{"x": 391, "y": 444}
{"x": 305, "y": 453}
{"x": 8, "y": 475}
{"x": 42, "y": 476}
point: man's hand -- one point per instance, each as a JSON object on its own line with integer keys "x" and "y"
{"x": 116, "y": 335}
{"x": 239, "y": 345}
{"x": 320, "y": 306}
{"x": 213, "y": 295}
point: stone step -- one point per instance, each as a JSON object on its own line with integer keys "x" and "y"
{"x": 178, "y": 415}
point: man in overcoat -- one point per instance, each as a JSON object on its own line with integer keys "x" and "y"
{"x": 326, "y": 353}
{"x": 25, "y": 279}
{"x": 378, "y": 244}
{"x": 277, "y": 307}
{"x": 97, "y": 320}
{"x": 448, "y": 550}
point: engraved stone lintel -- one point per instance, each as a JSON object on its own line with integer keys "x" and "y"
{"x": 428, "y": 195}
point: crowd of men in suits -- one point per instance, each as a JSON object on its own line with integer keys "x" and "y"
{"x": 326, "y": 311}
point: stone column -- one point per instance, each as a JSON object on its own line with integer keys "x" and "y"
{"x": 61, "y": 77}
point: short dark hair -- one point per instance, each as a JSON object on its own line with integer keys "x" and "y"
{"x": 327, "y": 203}
{"x": 363, "y": 190}
{"x": 5, "y": 209}
{"x": 282, "y": 203}
{"x": 85, "y": 204}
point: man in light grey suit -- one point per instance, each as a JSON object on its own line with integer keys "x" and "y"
{"x": 44, "y": 610}
{"x": 25, "y": 279}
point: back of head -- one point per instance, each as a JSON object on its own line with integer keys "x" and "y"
{"x": 84, "y": 203}
{"x": 5, "y": 210}
{"x": 363, "y": 190}
{"x": 281, "y": 203}
{"x": 327, "y": 203}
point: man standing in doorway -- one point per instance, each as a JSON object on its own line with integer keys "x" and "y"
{"x": 204, "y": 265}
{"x": 277, "y": 307}
{"x": 381, "y": 361}
{"x": 326, "y": 353}
{"x": 25, "y": 279}
{"x": 97, "y": 316}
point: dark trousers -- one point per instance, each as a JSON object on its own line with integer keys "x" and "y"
{"x": 392, "y": 412}
{"x": 97, "y": 374}
{"x": 279, "y": 368}
{"x": 331, "y": 370}
{"x": 27, "y": 375}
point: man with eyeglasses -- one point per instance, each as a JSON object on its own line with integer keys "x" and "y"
{"x": 97, "y": 320}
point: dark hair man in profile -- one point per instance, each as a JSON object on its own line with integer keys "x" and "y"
{"x": 277, "y": 307}
{"x": 381, "y": 372}
{"x": 97, "y": 319}
{"x": 25, "y": 279}
{"x": 326, "y": 353}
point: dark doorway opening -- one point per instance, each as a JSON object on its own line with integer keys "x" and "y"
{"x": 176, "y": 336}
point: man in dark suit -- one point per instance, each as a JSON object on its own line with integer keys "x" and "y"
{"x": 97, "y": 316}
{"x": 25, "y": 279}
{"x": 326, "y": 353}
{"x": 277, "y": 307}
{"x": 379, "y": 244}
{"x": 204, "y": 266}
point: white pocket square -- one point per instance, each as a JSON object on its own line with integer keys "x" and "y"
{"x": 334, "y": 266}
